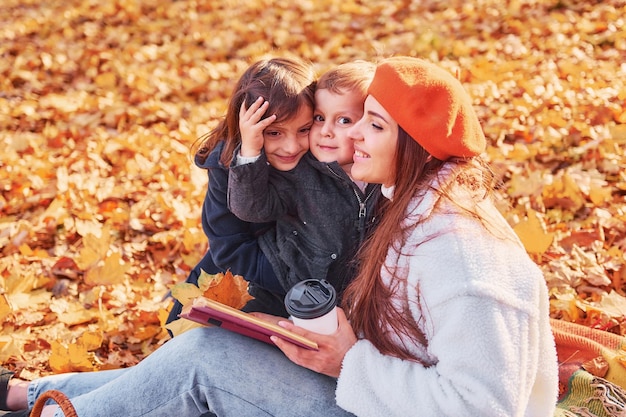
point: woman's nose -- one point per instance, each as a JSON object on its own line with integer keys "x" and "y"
{"x": 353, "y": 133}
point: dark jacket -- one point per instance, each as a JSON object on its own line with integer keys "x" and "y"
{"x": 233, "y": 243}
{"x": 321, "y": 217}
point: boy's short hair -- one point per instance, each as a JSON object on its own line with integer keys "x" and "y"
{"x": 350, "y": 76}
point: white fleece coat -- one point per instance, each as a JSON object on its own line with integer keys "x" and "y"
{"x": 483, "y": 306}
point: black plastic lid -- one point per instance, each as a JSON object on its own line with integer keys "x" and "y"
{"x": 310, "y": 299}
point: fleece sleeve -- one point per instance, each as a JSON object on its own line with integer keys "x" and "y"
{"x": 480, "y": 317}
{"x": 477, "y": 373}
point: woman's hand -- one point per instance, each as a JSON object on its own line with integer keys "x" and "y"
{"x": 332, "y": 348}
{"x": 251, "y": 126}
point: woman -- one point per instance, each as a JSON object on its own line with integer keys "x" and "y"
{"x": 450, "y": 312}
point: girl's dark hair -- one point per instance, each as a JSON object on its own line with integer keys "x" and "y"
{"x": 286, "y": 83}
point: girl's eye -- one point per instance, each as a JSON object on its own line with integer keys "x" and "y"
{"x": 318, "y": 118}
{"x": 345, "y": 121}
{"x": 305, "y": 130}
{"x": 271, "y": 133}
{"x": 376, "y": 127}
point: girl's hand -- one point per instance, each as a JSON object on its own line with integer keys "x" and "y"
{"x": 251, "y": 126}
{"x": 332, "y": 348}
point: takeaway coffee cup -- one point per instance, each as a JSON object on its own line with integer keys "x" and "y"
{"x": 312, "y": 305}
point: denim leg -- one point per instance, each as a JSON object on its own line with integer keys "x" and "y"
{"x": 204, "y": 370}
{"x": 71, "y": 384}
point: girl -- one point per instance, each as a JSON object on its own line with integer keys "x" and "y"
{"x": 451, "y": 314}
{"x": 234, "y": 245}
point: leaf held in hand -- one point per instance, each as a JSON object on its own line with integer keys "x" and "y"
{"x": 226, "y": 288}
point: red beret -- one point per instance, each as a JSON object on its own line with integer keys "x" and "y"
{"x": 430, "y": 105}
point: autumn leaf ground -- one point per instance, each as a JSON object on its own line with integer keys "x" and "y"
{"x": 100, "y": 102}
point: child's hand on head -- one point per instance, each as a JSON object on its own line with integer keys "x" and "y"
{"x": 252, "y": 126}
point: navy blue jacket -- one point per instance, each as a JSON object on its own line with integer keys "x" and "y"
{"x": 233, "y": 243}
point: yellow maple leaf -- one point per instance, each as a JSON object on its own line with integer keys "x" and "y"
{"x": 207, "y": 281}
{"x": 90, "y": 340}
{"x": 75, "y": 357}
{"x": 533, "y": 234}
{"x": 184, "y": 292}
{"x": 563, "y": 304}
{"x": 72, "y": 312}
{"x": 563, "y": 192}
{"x": 109, "y": 272}
{"x": 95, "y": 246}
{"x": 11, "y": 347}
{"x": 600, "y": 194}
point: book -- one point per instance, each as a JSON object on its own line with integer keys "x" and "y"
{"x": 206, "y": 311}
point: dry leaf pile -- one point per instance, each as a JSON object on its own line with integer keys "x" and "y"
{"x": 100, "y": 102}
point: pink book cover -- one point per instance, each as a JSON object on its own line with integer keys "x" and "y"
{"x": 206, "y": 311}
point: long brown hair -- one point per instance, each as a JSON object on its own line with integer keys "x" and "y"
{"x": 367, "y": 298}
{"x": 286, "y": 83}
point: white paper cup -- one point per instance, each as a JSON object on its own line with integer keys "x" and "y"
{"x": 326, "y": 324}
{"x": 312, "y": 306}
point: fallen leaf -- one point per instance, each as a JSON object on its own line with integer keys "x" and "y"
{"x": 5, "y": 307}
{"x": 532, "y": 233}
{"x": 75, "y": 357}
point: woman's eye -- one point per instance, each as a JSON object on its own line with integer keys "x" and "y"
{"x": 377, "y": 127}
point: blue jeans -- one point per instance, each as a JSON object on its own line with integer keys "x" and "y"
{"x": 201, "y": 371}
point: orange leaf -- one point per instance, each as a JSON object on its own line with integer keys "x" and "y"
{"x": 228, "y": 289}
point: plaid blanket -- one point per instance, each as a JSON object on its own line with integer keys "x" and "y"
{"x": 592, "y": 371}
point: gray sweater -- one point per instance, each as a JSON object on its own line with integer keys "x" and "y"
{"x": 321, "y": 217}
